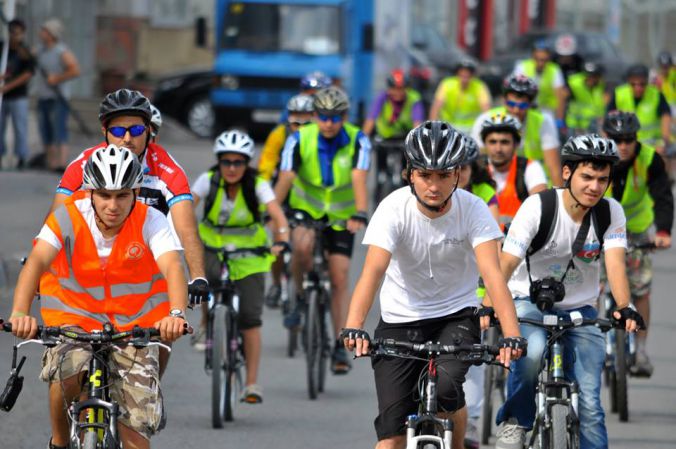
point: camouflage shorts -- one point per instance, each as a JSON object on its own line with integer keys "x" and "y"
{"x": 134, "y": 380}
{"x": 639, "y": 272}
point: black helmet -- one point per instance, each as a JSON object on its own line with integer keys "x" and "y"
{"x": 331, "y": 100}
{"x": 593, "y": 68}
{"x": 639, "y": 70}
{"x": 521, "y": 85}
{"x": 434, "y": 145}
{"x": 466, "y": 63}
{"x": 618, "y": 123}
{"x": 664, "y": 59}
{"x": 501, "y": 123}
{"x": 124, "y": 102}
{"x": 589, "y": 147}
{"x": 471, "y": 150}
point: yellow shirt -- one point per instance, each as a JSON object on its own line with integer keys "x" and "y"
{"x": 272, "y": 149}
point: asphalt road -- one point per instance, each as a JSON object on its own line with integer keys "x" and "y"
{"x": 341, "y": 417}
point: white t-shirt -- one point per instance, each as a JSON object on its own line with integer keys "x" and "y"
{"x": 264, "y": 193}
{"x": 433, "y": 271}
{"x": 534, "y": 175}
{"x": 549, "y": 136}
{"x": 156, "y": 233}
{"x": 582, "y": 283}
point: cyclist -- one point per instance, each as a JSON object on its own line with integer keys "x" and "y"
{"x": 649, "y": 105}
{"x": 125, "y": 117}
{"x": 325, "y": 166}
{"x": 396, "y": 110}
{"x": 426, "y": 241}
{"x": 461, "y": 98}
{"x": 234, "y": 199}
{"x": 551, "y": 95}
{"x": 587, "y": 163}
{"x": 665, "y": 78}
{"x": 516, "y": 177}
{"x": 92, "y": 248}
{"x": 155, "y": 123}
{"x": 588, "y": 98}
{"x": 641, "y": 184}
{"x": 540, "y": 140}
{"x": 300, "y": 113}
{"x": 309, "y": 84}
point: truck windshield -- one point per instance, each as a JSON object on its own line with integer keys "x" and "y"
{"x": 312, "y": 30}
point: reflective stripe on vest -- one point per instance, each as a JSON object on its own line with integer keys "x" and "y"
{"x": 403, "y": 124}
{"x": 636, "y": 200}
{"x": 508, "y": 197}
{"x": 308, "y": 192}
{"x": 546, "y": 94}
{"x": 77, "y": 290}
{"x": 646, "y": 110}
{"x": 461, "y": 107}
{"x": 587, "y": 104}
{"x": 239, "y": 231}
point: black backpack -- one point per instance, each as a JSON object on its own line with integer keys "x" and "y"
{"x": 600, "y": 215}
{"x": 520, "y": 182}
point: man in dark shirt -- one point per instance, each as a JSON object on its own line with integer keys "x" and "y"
{"x": 641, "y": 184}
{"x": 20, "y": 69}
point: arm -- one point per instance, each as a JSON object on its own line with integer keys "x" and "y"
{"x": 561, "y": 96}
{"x": 280, "y": 225}
{"x": 660, "y": 191}
{"x": 360, "y": 198}
{"x": 185, "y": 224}
{"x": 368, "y": 126}
{"x": 59, "y": 199}
{"x": 270, "y": 154}
{"x": 18, "y": 81}
{"x": 495, "y": 212}
{"x": 665, "y": 127}
{"x": 39, "y": 260}
{"x": 436, "y": 107}
{"x": 284, "y": 181}
{"x": 616, "y": 270}
{"x": 553, "y": 163}
{"x": 169, "y": 263}
{"x": 485, "y": 98}
{"x": 72, "y": 69}
{"x": 375, "y": 265}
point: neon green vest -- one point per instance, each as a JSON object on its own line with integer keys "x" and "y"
{"x": 461, "y": 107}
{"x": 308, "y": 192}
{"x": 483, "y": 191}
{"x": 669, "y": 87}
{"x": 636, "y": 200}
{"x": 546, "y": 95}
{"x": 404, "y": 122}
{"x": 239, "y": 231}
{"x": 646, "y": 110}
{"x": 586, "y": 105}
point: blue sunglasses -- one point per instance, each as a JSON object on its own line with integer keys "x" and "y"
{"x": 134, "y": 130}
{"x": 332, "y": 118}
{"x": 517, "y": 104}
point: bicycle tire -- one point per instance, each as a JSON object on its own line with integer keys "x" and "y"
{"x": 490, "y": 378}
{"x": 324, "y": 343}
{"x": 621, "y": 366}
{"x": 90, "y": 440}
{"x": 233, "y": 382}
{"x": 313, "y": 344}
{"x": 558, "y": 430}
{"x": 292, "y": 334}
{"x": 218, "y": 368}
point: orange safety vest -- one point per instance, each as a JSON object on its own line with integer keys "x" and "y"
{"x": 510, "y": 198}
{"x": 128, "y": 291}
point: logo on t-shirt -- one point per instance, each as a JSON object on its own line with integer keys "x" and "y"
{"x": 134, "y": 251}
{"x": 589, "y": 252}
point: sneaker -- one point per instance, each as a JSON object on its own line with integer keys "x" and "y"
{"x": 51, "y": 446}
{"x": 511, "y": 435}
{"x": 340, "y": 361}
{"x": 273, "y": 296}
{"x": 472, "y": 434}
{"x": 252, "y": 394}
{"x": 198, "y": 340}
{"x": 642, "y": 367}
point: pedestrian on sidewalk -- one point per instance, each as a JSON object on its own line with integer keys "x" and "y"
{"x": 20, "y": 69}
{"x": 56, "y": 65}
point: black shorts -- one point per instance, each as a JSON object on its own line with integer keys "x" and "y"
{"x": 338, "y": 242}
{"x": 397, "y": 379}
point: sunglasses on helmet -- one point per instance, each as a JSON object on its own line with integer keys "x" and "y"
{"x": 134, "y": 130}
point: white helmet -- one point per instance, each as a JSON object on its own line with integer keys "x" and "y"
{"x": 234, "y": 141}
{"x": 112, "y": 168}
{"x": 155, "y": 119}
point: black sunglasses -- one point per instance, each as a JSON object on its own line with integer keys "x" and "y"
{"x": 228, "y": 163}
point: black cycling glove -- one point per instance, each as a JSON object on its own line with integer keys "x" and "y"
{"x": 198, "y": 291}
{"x": 353, "y": 334}
{"x": 628, "y": 313}
{"x": 361, "y": 216}
{"x": 515, "y": 343}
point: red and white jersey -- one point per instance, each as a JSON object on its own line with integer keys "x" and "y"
{"x": 164, "y": 181}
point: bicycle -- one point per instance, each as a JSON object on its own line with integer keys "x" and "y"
{"x": 495, "y": 382}
{"x": 425, "y": 429}
{"x": 288, "y": 301}
{"x": 390, "y": 158}
{"x": 93, "y": 420}
{"x": 317, "y": 302}
{"x": 557, "y": 425}
{"x": 224, "y": 355}
{"x": 620, "y": 354}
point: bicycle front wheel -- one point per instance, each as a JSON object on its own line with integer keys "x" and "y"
{"x": 324, "y": 341}
{"x": 314, "y": 344}
{"x": 561, "y": 434}
{"x": 621, "y": 401}
{"x": 289, "y": 305}
{"x": 219, "y": 371}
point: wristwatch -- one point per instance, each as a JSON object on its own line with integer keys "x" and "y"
{"x": 177, "y": 313}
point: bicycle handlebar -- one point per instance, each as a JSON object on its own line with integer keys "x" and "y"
{"x": 389, "y": 346}
{"x": 107, "y": 336}
{"x": 601, "y": 323}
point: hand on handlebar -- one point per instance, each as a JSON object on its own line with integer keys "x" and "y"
{"x": 663, "y": 241}
{"x": 632, "y": 320}
{"x": 511, "y": 348}
{"x": 356, "y": 340}
{"x": 171, "y": 328}
{"x": 279, "y": 248}
{"x": 25, "y": 327}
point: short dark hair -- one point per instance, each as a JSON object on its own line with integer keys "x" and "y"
{"x": 17, "y": 23}
{"x": 595, "y": 164}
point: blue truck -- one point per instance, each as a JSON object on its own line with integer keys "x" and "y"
{"x": 264, "y": 47}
